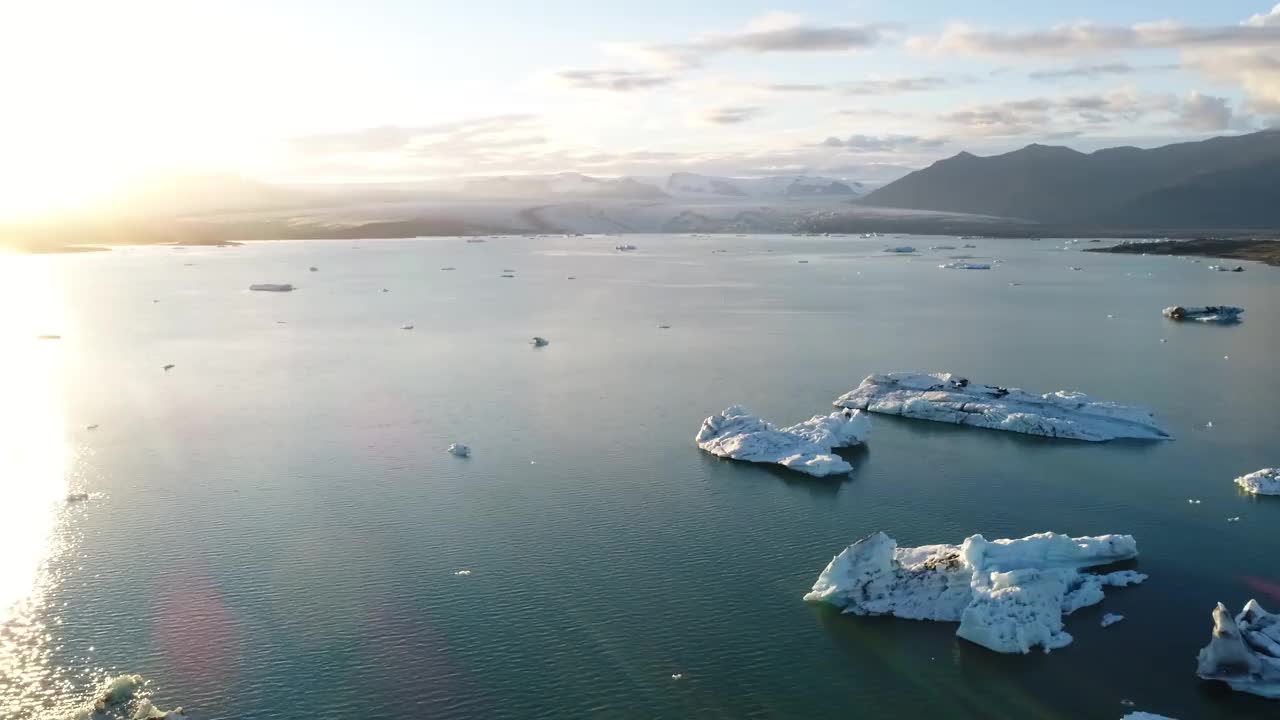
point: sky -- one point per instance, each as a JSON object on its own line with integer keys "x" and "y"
{"x": 97, "y": 93}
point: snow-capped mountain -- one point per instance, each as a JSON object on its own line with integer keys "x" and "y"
{"x": 685, "y": 184}
{"x": 679, "y": 185}
{"x": 559, "y": 184}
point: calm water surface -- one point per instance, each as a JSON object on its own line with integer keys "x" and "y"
{"x": 274, "y": 527}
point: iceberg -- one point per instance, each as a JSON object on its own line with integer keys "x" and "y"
{"x": 946, "y": 397}
{"x": 900, "y": 249}
{"x": 957, "y": 265}
{"x": 1110, "y": 619}
{"x": 1263, "y": 482}
{"x": 459, "y": 450}
{"x": 1008, "y": 595}
{"x": 119, "y": 698}
{"x": 539, "y": 341}
{"x": 1244, "y": 652}
{"x": 271, "y": 287}
{"x": 804, "y": 447}
{"x": 1221, "y": 314}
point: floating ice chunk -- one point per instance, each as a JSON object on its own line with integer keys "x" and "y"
{"x": 624, "y": 247}
{"x": 1076, "y": 268}
{"x": 463, "y": 573}
{"x": 406, "y": 327}
{"x": 118, "y": 698}
{"x": 1144, "y": 715}
{"x": 1234, "y": 519}
{"x": 1193, "y": 501}
{"x": 94, "y": 426}
{"x": 1007, "y": 595}
{"x": 900, "y": 249}
{"x": 1220, "y": 314}
{"x": 76, "y": 497}
{"x": 459, "y": 450}
{"x": 272, "y": 287}
{"x": 313, "y": 268}
{"x": 1244, "y": 652}
{"x": 1263, "y": 482}
{"x": 803, "y": 262}
{"x": 539, "y": 341}
{"x": 804, "y": 447}
{"x": 945, "y": 397}
{"x": 664, "y": 327}
{"x": 943, "y": 247}
{"x": 957, "y": 265}
{"x": 969, "y": 246}
{"x": 1110, "y": 619}
{"x": 169, "y": 367}
{"x": 447, "y": 268}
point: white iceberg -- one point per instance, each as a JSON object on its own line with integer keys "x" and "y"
{"x": 119, "y": 698}
{"x": 1244, "y": 652}
{"x": 1221, "y": 314}
{"x": 946, "y": 397}
{"x": 459, "y": 450}
{"x": 1263, "y": 482}
{"x": 957, "y": 265}
{"x": 1007, "y": 595}
{"x": 900, "y": 249}
{"x": 804, "y": 447}
{"x": 1110, "y": 619}
{"x": 271, "y": 287}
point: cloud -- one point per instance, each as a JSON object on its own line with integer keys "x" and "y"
{"x": 1084, "y": 71}
{"x": 795, "y": 87}
{"x": 1204, "y": 113}
{"x": 613, "y": 80}
{"x": 389, "y": 138}
{"x": 901, "y": 85}
{"x": 1089, "y": 38}
{"x": 774, "y": 33}
{"x": 733, "y": 115}
{"x": 1048, "y": 116}
{"x": 884, "y": 143}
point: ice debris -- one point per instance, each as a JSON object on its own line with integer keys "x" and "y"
{"x": 957, "y": 265}
{"x": 1008, "y": 595}
{"x": 946, "y": 397}
{"x": 272, "y": 287}
{"x": 1263, "y": 482}
{"x": 169, "y": 367}
{"x": 804, "y": 447}
{"x": 459, "y": 450}
{"x": 1244, "y": 652}
{"x": 1221, "y": 314}
{"x": 1110, "y": 619}
{"x": 406, "y": 327}
{"x": 118, "y": 698}
{"x": 539, "y": 341}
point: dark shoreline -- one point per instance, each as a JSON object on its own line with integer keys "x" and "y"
{"x": 1257, "y": 249}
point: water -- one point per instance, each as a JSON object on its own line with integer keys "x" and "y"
{"x": 275, "y": 526}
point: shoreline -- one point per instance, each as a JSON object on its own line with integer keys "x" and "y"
{"x": 1266, "y": 251}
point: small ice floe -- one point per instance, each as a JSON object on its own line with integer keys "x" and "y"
{"x": 1163, "y": 340}
{"x": 664, "y": 327}
{"x": 169, "y": 367}
{"x": 1263, "y": 482}
{"x": 1110, "y": 619}
{"x": 459, "y": 450}
{"x": 76, "y": 497}
{"x": 804, "y": 447}
{"x": 385, "y": 290}
{"x": 313, "y": 268}
{"x": 803, "y": 262}
{"x": 943, "y": 247}
{"x": 1127, "y": 703}
{"x": 507, "y": 275}
{"x": 946, "y": 397}
{"x": 406, "y": 327}
{"x": 539, "y": 341}
{"x": 1234, "y": 519}
{"x": 271, "y": 287}
{"x": 1192, "y": 501}
{"x": 1075, "y": 267}
{"x": 1244, "y": 652}
{"x": 507, "y": 270}
{"x": 677, "y": 676}
{"x": 1008, "y": 595}
{"x": 1209, "y": 425}
{"x": 571, "y": 278}
{"x": 475, "y": 240}
{"x": 1220, "y": 314}
{"x": 624, "y": 247}
{"x": 1015, "y": 284}
{"x": 957, "y": 265}
{"x": 462, "y": 573}
{"x": 94, "y": 426}
{"x": 446, "y": 269}
{"x": 900, "y": 249}
{"x": 969, "y": 246}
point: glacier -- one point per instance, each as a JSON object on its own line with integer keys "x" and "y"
{"x": 1263, "y": 482}
{"x": 1220, "y": 314}
{"x": 946, "y": 397}
{"x": 1244, "y": 652}
{"x": 804, "y": 447}
{"x": 1008, "y": 595}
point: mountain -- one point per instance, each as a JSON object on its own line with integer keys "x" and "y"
{"x": 1224, "y": 182}
{"x": 687, "y": 184}
{"x": 567, "y": 183}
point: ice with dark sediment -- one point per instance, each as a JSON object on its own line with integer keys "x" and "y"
{"x": 1244, "y": 651}
{"x": 804, "y": 447}
{"x": 1220, "y": 314}
{"x": 1008, "y": 595}
{"x": 949, "y": 398}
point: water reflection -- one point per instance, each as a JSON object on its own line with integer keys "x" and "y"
{"x": 33, "y": 471}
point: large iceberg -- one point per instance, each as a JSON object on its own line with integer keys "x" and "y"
{"x": 945, "y": 397}
{"x": 1221, "y": 314}
{"x": 1263, "y": 482}
{"x": 1007, "y": 595}
{"x": 804, "y": 447}
{"x": 1244, "y": 652}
